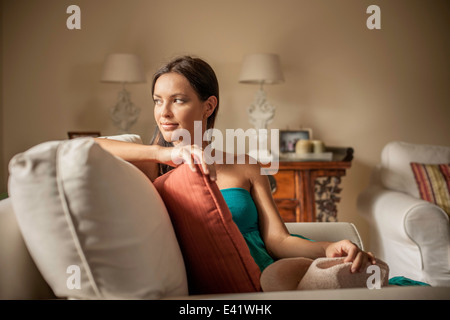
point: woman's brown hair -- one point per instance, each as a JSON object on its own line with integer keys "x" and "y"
{"x": 204, "y": 82}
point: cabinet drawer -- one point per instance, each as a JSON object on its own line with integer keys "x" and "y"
{"x": 285, "y": 185}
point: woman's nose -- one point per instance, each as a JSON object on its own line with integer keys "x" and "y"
{"x": 166, "y": 110}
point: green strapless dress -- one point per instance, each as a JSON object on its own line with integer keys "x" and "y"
{"x": 245, "y": 215}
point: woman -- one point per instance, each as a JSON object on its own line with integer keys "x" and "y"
{"x": 184, "y": 91}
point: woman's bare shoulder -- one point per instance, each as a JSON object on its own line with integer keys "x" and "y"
{"x": 237, "y": 170}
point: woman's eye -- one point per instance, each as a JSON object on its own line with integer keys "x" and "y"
{"x": 179, "y": 101}
{"x": 157, "y": 101}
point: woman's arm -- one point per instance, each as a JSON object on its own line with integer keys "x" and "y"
{"x": 129, "y": 151}
{"x": 147, "y": 157}
{"x": 280, "y": 244}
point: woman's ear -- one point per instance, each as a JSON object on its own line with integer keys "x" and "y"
{"x": 209, "y": 106}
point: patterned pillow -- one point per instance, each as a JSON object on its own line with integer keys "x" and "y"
{"x": 433, "y": 181}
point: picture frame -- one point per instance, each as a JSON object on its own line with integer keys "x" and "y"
{"x": 288, "y": 139}
{"x": 79, "y": 134}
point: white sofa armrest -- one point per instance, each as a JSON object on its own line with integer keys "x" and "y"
{"x": 420, "y": 231}
{"x": 326, "y": 231}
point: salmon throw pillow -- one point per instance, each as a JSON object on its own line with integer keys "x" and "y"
{"x": 216, "y": 256}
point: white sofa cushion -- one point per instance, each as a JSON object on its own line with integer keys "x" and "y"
{"x": 78, "y": 205}
{"x": 396, "y": 172}
{"x": 127, "y": 137}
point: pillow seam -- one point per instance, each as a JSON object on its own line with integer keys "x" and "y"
{"x": 226, "y": 228}
{"x": 68, "y": 216}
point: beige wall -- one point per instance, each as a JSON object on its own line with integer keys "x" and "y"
{"x": 352, "y": 86}
{"x": 2, "y": 134}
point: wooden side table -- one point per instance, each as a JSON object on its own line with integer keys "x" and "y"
{"x": 307, "y": 191}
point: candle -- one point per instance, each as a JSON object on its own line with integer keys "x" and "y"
{"x": 303, "y": 146}
{"x": 318, "y": 146}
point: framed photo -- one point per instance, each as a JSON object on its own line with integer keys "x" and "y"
{"x": 79, "y": 134}
{"x": 288, "y": 139}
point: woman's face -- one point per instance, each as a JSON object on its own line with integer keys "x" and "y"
{"x": 177, "y": 105}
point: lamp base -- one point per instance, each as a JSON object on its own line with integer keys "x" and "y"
{"x": 261, "y": 112}
{"x": 124, "y": 114}
{"x": 262, "y": 156}
{"x": 262, "y": 153}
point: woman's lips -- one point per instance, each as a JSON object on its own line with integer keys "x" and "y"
{"x": 169, "y": 126}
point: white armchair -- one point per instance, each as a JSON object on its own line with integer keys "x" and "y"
{"x": 410, "y": 234}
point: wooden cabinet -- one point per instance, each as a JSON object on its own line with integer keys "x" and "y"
{"x": 307, "y": 191}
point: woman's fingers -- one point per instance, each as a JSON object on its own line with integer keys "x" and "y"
{"x": 362, "y": 261}
{"x": 352, "y": 253}
{"x": 186, "y": 157}
{"x": 357, "y": 263}
{"x": 351, "y": 250}
{"x": 206, "y": 163}
{"x": 198, "y": 156}
{"x": 372, "y": 258}
{"x": 212, "y": 172}
{"x": 193, "y": 155}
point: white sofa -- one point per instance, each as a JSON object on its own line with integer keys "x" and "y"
{"x": 412, "y": 235}
{"x": 20, "y": 279}
{"x": 37, "y": 239}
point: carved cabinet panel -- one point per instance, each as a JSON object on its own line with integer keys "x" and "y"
{"x": 309, "y": 191}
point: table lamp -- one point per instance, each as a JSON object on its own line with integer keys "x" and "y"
{"x": 261, "y": 69}
{"x": 123, "y": 68}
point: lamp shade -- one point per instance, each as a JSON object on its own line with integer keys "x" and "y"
{"x": 123, "y": 67}
{"x": 262, "y": 68}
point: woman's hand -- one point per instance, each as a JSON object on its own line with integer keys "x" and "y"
{"x": 190, "y": 154}
{"x": 351, "y": 251}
